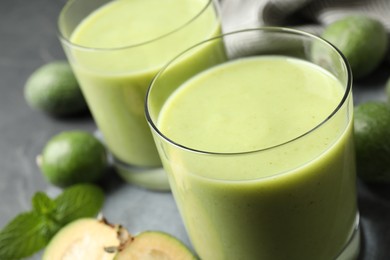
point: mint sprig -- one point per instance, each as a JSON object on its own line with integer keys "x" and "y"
{"x": 31, "y": 231}
{"x": 22, "y": 236}
{"x": 42, "y": 204}
{"x": 78, "y": 201}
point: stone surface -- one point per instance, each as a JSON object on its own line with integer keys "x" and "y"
{"x": 28, "y": 40}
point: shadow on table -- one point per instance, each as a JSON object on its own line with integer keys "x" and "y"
{"x": 111, "y": 181}
{"x": 374, "y": 207}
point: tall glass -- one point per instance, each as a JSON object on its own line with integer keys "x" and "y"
{"x": 115, "y": 48}
{"x": 293, "y": 199}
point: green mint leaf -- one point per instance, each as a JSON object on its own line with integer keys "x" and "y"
{"x": 79, "y": 201}
{"x": 22, "y": 236}
{"x": 42, "y": 204}
{"x": 49, "y": 227}
{"x": 45, "y": 207}
{"x": 29, "y": 232}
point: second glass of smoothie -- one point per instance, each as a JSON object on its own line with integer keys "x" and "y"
{"x": 258, "y": 147}
{"x": 115, "y": 48}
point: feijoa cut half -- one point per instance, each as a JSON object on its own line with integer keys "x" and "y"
{"x": 154, "y": 245}
{"x": 83, "y": 239}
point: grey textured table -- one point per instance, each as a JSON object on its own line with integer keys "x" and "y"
{"x": 28, "y": 40}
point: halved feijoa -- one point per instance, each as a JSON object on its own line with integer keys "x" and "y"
{"x": 83, "y": 239}
{"x": 154, "y": 245}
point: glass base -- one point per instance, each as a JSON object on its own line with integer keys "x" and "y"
{"x": 352, "y": 248}
{"x": 153, "y": 178}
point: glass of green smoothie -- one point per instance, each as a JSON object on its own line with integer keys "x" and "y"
{"x": 115, "y": 48}
{"x": 258, "y": 146}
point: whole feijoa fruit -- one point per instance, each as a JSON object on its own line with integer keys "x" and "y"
{"x": 54, "y": 90}
{"x": 372, "y": 141}
{"x": 363, "y": 41}
{"x": 73, "y": 157}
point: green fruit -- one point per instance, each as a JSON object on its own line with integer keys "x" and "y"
{"x": 372, "y": 141}
{"x": 54, "y": 89}
{"x": 154, "y": 245}
{"x": 83, "y": 239}
{"x": 97, "y": 239}
{"x": 361, "y": 39}
{"x": 73, "y": 157}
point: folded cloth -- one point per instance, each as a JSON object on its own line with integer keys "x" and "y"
{"x": 307, "y": 15}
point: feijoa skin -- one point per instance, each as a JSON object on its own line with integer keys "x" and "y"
{"x": 54, "y": 89}
{"x": 73, "y": 157}
{"x": 362, "y": 39}
{"x": 155, "y": 245}
{"x": 372, "y": 141}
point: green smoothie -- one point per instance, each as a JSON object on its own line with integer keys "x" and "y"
{"x": 128, "y": 41}
{"x": 255, "y": 186}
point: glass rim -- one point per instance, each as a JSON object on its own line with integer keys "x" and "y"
{"x": 67, "y": 40}
{"x": 343, "y": 100}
